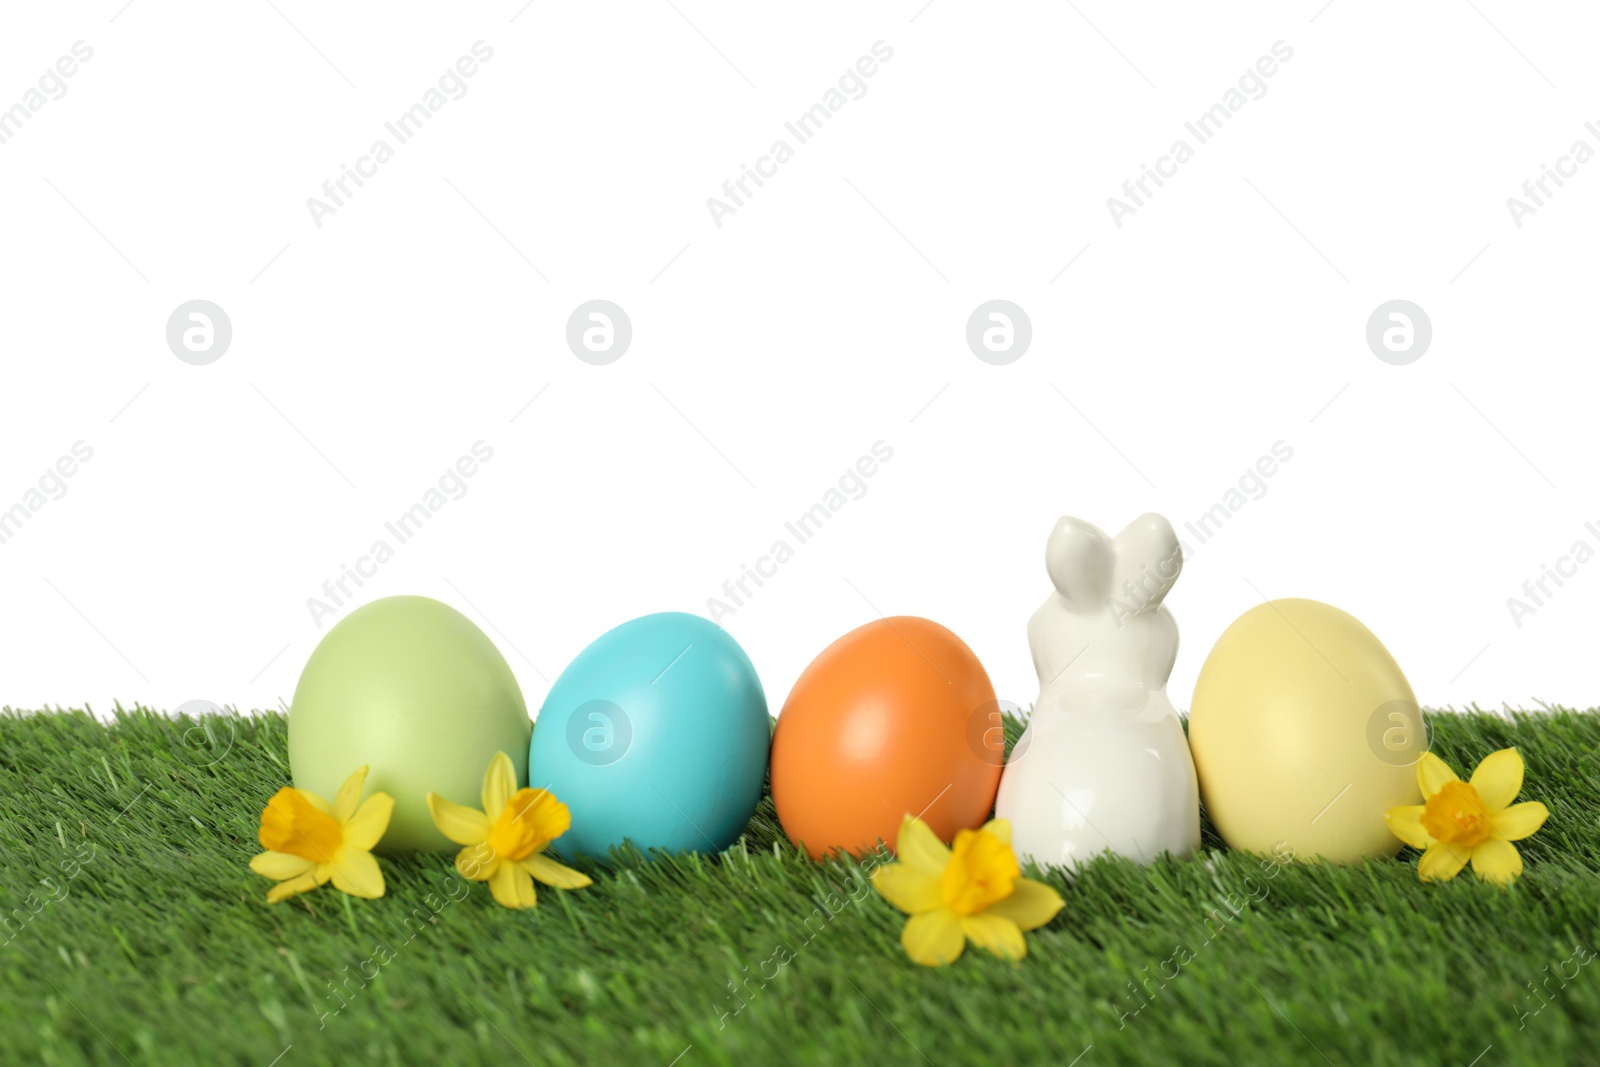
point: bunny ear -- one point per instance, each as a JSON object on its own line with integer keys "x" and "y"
{"x": 1079, "y": 559}
{"x": 1148, "y": 561}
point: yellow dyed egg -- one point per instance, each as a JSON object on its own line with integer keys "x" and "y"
{"x": 1304, "y": 733}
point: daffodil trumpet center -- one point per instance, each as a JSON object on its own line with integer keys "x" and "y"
{"x": 292, "y": 824}
{"x": 523, "y": 826}
{"x": 1456, "y": 815}
{"x": 983, "y": 871}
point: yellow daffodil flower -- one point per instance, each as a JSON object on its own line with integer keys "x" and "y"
{"x": 973, "y": 891}
{"x": 505, "y": 840}
{"x": 1474, "y": 820}
{"x": 308, "y": 842}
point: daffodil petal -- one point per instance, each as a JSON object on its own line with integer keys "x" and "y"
{"x": 1406, "y": 824}
{"x": 548, "y": 871}
{"x": 460, "y": 824}
{"x": 477, "y": 863}
{"x": 1000, "y": 828}
{"x": 1432, "y": 774}
{"x": 1442, "y": 862}
{"x": 323, "y": 872}
{"x": 365, "y": 828}
{"x": 280, "y": 865}
{"x": 908, "y": 888}
{"x": 1497, "y": 861}
{"x": 284, "y": 890}
{"x": 1498, "y": 779}
{"x": 499, "y": 784}
{"x": 920, "y": 847}
{"x": 1520, "y": 820}
{"x": 357, "y": 873}
{"x": 996, "y": 933}
{"x": 1030, "y": 905}
{"x": 349, "y": 795}
{"x": 933, "y": 938}
{"x": 513, "y": 887}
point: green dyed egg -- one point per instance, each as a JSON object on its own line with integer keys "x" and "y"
{"x": 411, "y": 688}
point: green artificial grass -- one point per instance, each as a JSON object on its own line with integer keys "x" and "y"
{"x": 137, "y": 935}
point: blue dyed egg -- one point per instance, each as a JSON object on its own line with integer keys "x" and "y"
{"x": 657, "y": 733}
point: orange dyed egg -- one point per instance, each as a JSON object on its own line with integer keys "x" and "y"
{"x": 895, "y": 718}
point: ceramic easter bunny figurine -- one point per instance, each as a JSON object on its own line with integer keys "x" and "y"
{"x": 1103, "y": 763}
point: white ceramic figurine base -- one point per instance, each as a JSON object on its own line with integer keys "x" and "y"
{"x": 1103, "y": 763}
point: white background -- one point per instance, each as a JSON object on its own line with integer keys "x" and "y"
{"x": 769, "y": 354}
